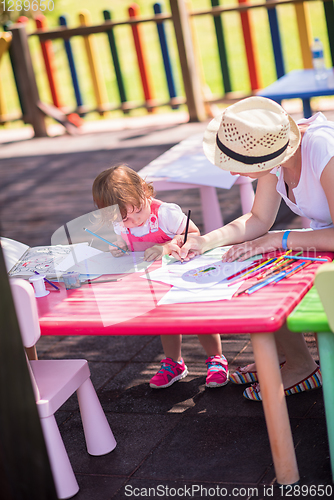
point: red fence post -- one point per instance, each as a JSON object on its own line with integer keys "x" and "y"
{"x": 141, "y": 56}
{"x": 249, "y": 47}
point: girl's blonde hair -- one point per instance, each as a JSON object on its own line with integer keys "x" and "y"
{"x": 120, "y": 185}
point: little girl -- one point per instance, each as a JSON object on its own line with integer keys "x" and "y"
{"x": 149, "y": 225}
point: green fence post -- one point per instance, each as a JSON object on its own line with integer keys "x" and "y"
{"x": 221, "y": 48}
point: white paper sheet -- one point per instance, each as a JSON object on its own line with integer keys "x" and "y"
{"x": 79, "y": 253}
{"x": 220, "y": 291}
{"x": 105, "y": 263}
{"x": 13, "y": 251}
{"x": 197, "y": 274}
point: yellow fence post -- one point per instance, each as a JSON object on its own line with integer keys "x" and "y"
{"x": 305, "y": 34}
{"x": 100, "y": 90}
{"x": 5, "y": 39}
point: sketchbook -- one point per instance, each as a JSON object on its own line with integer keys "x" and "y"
{"x": 22, "y": 261}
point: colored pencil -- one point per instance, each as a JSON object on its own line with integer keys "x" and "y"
{"x": 50, "y": 283}
{"x": 187, "y": 227}
{"x": 92, "y": 282}
{"x": 186, "y": 231}
{"x": 279, "y": 265}
{"x": 266, "y": 280}
{"x": 274, "y": 278}
{"x": 276, "y": 263}
{"x": 315, "y": 259}
{"x": 263, "y": 283}
{"x": 106, "y": 241}
{"x": 245, "y": 269}
{"x": 296, "y": 269}
{"x": 253, "y": 272}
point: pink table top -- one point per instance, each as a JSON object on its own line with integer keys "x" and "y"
{"x": 129, "y": 307}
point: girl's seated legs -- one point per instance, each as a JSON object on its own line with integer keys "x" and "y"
{"x": 173, "y": 367}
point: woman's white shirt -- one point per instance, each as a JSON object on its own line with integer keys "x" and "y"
{"x": 317, "y": 148}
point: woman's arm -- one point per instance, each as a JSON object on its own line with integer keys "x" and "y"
{"x": 247, "y": 227}
{"x": 320, "y": 239}
{"x": 310, "y": 241}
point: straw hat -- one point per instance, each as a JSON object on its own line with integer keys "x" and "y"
{"x": 252, "y": 135}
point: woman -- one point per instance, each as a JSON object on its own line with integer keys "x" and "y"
{"x": 257, "y": 138}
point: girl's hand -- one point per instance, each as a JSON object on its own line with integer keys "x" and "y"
{"x": 267, "y": 243}
{"x": 116, "y": 252}
{"x": 154, "y": 253}
{"x": 194, "y": 246}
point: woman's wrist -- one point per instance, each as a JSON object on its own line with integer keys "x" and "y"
{"x": 285, "y": 240}
{"x": 208, "y": 242}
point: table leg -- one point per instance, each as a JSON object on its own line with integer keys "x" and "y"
{"x": 31, "y": 353}
{"x": 307, "y": 108}
{"x": 212, "y": 217}
{"x": 274, "y": 406}
{"x": 326, "y": 354}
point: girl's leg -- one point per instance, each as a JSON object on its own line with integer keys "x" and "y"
{"x": 172, "y": 369}
{"x": 211, "y": 344}
{"x": 217, "y": 366}
{"x": 171, "y": 345}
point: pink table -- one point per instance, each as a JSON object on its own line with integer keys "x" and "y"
{"x": 128, "y": 307}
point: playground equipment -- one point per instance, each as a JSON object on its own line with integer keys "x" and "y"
{"x": 188, "y": 91}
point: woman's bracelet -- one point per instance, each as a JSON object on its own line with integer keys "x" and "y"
{"x": 285, "y": 240}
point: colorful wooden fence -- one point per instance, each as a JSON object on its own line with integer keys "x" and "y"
{"x": 184, "y": 81}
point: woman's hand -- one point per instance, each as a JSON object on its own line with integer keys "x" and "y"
{"x": 194, "y": 246}
{"x": 116, "y": 252}
{"x": 264, "y": 244}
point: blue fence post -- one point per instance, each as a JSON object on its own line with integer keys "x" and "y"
{"x": 69, "y": 53}
{"x": 276, "y": 41}
{"x": 165, "y": 54}
{"x": 222, "y": 49}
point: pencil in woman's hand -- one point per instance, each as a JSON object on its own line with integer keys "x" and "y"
{"x": 187, "y": 227}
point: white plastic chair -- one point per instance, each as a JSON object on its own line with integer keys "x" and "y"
{"x": 54, "y": 381}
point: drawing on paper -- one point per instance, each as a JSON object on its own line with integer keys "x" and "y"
{"x": 41, "y": 259}
{"x": 211, "y": 273}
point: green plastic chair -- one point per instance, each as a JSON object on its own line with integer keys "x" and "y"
{"x": 324, "y": 283}
{"x": 315, "y": 313}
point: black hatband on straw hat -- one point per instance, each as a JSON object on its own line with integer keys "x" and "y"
{"x": 249, "y": 160}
